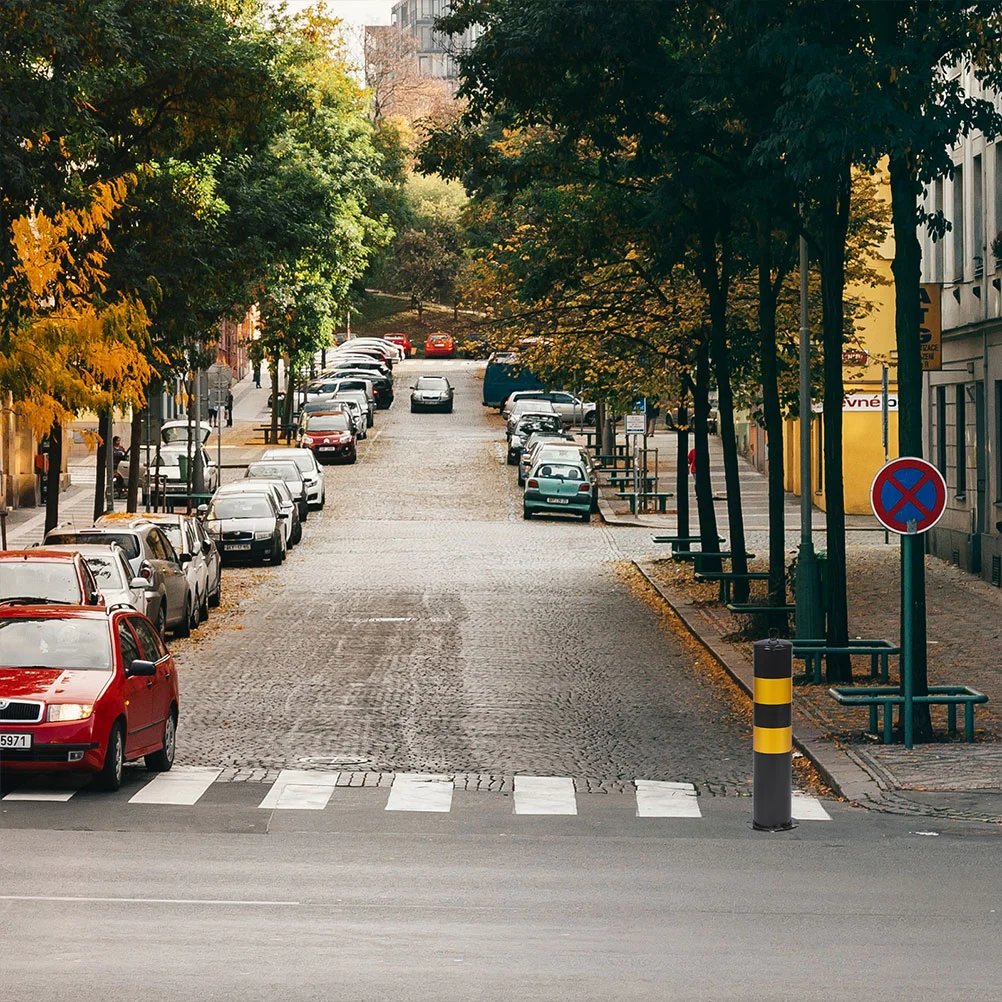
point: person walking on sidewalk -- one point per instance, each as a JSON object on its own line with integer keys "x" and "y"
{"x": 229, "y": 408}
{"x": 692, "y": 461}
{"x": 257, "y": 374}
{"x": 653, "y": 413}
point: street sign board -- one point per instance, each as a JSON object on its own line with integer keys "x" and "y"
{"x": 635, "y": 424}
{"x": 908, "y": 495}
{"x": 931, "y": 327}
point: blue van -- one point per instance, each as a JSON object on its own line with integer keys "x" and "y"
{"x": 504, "y": 375}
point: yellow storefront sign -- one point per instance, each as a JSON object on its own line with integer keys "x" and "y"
{"x": 931, "y": 327}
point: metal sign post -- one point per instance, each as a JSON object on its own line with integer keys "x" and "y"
{"x": 908, "y": 496}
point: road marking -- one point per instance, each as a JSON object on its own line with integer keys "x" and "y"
{"x": 145, "y": 901}
{"x": 545, "y": 795}
{"x": 183, "y": 786}
{"x": 418, "y": 791}
{"x": 666, "y": 800}
{"x": 55, "y": 796}
{"x": 300, "y": 790}
{"x": 807, "y": 808}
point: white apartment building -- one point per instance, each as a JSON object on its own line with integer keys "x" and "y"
{"x": 963, "y": 400}
{"x": 436, "y": 53}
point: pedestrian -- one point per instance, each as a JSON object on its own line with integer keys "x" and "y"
{"x": 653, "y": 413}
{"x": 257, "y": 374}
{"x": 692, "y": 461}
{"x": 229, "y": 408}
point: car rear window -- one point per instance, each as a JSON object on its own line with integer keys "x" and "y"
{"x": 241, "y": 506}
{"x": 432, "y": 383}
{"x": 274, "y": 471}
{"x": 55, "y": 643}
{"x": 107, "y": 570}
{"x": 54, "y": 580}
{"x": 128, "y": 541}
{"x": 329, "y": 422}
{"x": 558, "y": 471}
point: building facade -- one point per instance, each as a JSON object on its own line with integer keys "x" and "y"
{"x": 963, "y": 397}
{"x": 435, "y": 53}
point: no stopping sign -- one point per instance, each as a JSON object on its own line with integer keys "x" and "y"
{"x": 908, "y": 490}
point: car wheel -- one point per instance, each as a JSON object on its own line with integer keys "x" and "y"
{"x": 162, "y": 621}
{"x": 297, "y": 534}
{"x": 204, "y": 610}
{"x": 216, "y": 596}
{"x": 589, "y": 418}
{"x": 110, "y": 776}
{"x": 369, "y": 421}
{"x": 448, "y": 410}
{"x": 521, "y": 481}
{"x": 354, "y": 457}
{"x": 162, "y": 760}
{"x": 526, "y": 514}
{"x": 511, "y": 459}
{"x": 586, "y": 516}
{"x": 183, "y": 629}
{"x": 196, "y": 612}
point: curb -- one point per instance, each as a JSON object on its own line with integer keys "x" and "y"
{"x": 836, "y": 767}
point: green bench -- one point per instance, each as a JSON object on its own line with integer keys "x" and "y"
{"x": 677, "y": 542}
{"x": 696, "y": 556}
{"x": 629, "y": 479}
{"x": 751, "y": 609}
{"x": 621, "y": 462}
{"x": 726, "y": 578}
{"x": 286, "y": 431}
{"x": 876, "y": 696}
{"x": 813, "y": 652}
{"x": 660, "y": 498}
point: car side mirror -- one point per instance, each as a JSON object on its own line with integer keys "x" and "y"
{"x": 138, "y": 582}
{"x": 96, "y": 598}
{"x": 206, "y": 547}
{"x": 184, "y": 558}
{"x": 283, "y": 514}
{"x": 202, "y": 510}
{"x": 141, "y": 668}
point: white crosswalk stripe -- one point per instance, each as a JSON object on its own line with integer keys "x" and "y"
{"x": 182, "y": 786}
{"x": 545, "y": 795}
{"x": 53, "y": 796}
{"x": 300, "y": 790}
{"x": 666, "y": 800}
{"x": 416, "y": 791}
{"x": 806, "y": 808}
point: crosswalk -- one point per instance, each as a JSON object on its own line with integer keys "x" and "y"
{"x": 309, "y": 790}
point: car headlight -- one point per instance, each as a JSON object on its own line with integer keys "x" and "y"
{"x": 262, "y": 534}
{"x": 64, "y": 712}
{"x": 307, "y": 440}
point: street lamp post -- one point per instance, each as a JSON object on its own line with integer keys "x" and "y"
{"x": 810, "y": 619}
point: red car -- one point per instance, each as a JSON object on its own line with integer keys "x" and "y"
{"x": 439, "y": 345}
{"x": 403, "y": 341}
{"x": 82, "y": 690}
{"x": 330, "y": 435}
{"x": 40, "y": 577}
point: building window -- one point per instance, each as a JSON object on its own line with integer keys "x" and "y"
{"x": 958, "y": 224}
{"x": 940, "y": 417}
{"x": 997, "y": 222}
{"x": 978, "y": 215}
{"x": 424, "y": 65}
{"x": 997, "y": 444}
{"x": 960, "y": 425}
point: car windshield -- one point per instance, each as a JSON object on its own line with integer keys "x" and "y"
{"x": 55, "y": 643}
{"x": 537, "y": 422}
{"x": 303, "y": 461}
{"x": 54, "y": 580}
{"x": 128, "y": 541}
{"x": 274, "y": 471}
{"x": 557, "y": 471}
{"x": 107, "y": 569}
{"x": 173, "y": 533}
{"x": 432, "y": 383}
{"x": 328, "y": 422}
{"x": 241, "y": 506}
{"x": 558, "y": 456}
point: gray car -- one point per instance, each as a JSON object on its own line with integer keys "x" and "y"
{"x": 291, "y": 524}
{"x": 432, "y": 393}
{"x": 283, "y": 469}
{"x": 118, "y": 585}
{"x": 247, "y": 526}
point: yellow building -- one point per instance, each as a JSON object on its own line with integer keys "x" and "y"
{"x": 862, "y": 437}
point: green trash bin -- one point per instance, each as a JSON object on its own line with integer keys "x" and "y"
{"x": 182, "y": 465}
{"x": 822, "y": 559}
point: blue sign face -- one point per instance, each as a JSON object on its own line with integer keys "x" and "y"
{"x": 908, "y": 495}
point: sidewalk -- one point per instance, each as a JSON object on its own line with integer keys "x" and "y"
{"x": 947, "y": 778}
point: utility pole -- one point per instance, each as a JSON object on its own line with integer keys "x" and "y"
{"x": 810, "y": 621}
{"x": 198, "y": 474}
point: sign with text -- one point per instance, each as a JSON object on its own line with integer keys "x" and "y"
{"x": 635, "y": 424}
{"x": 931, "y": 327}
{"x": 869, "y": 402}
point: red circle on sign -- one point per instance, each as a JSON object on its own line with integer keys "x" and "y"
{"x": 908, "y": 490}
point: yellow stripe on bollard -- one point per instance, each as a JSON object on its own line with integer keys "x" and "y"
{"x": 773, "y": 740}
{"x": 773, "y": 690}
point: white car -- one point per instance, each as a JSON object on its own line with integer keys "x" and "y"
{"x": 394, "y": 351}
{"x": 117, "y": 581}
{"x": 313, "y": 475}
{"x": 177, "y": 476}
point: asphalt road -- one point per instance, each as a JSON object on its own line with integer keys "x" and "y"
{"x": 424, "y": 627}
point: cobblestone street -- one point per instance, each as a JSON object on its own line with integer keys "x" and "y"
{"x": 424, "y": 626}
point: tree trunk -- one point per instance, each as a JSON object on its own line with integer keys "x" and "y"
{"x": 53, "y": 475}
{"x": 273, "y": 371}
{"x": 834, "y": 222}
{"x": 906, "y": 267}
{"x": 682, "y": 470}
{"x": 104, "y": 430}
{"x": 704, "y": 488}
{"x": 608, "y": 431}
{"x": 773, "y": 420}
{"x": 290, "y": 394}
{"x": 135, "y": 445}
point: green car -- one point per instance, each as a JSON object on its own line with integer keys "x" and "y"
{"x": 562, "y": 487}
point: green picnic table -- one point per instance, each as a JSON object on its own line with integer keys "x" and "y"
{"x": 726, "y": 578}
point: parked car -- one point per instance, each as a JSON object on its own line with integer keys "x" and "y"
{"x": 432, "y": 393}
{"x": 152, "y": 556}
{"x": 335, "y": 387}
{"x": 363, "y": 363}
{"x": 524, "y": 407}
{"x": 558, "y": 452}
{"x": 172, "y": 432}
{"x": 571, "y": 408}
{"x": 283, "y": 469}
{"x": 316, "y": 493}
{"x": 292, "y": 527}
{"x": 439, "y": 345}
{"x": 516, "y": 395}
{"x": 351, "y": 403}
{"x": 525, "y": 460}
{"x": 382, "y": 386}
{"x": 195, "y": 550}
{"x": 391, "y": 351}
{"x": 82, "y": 690}
{"x": 525, "y": 426}
{"x": 119, "y": 586}
{"x": 330, "y": 436}
{"x": 173, "y": 465}
{"x": 376, "y": 353}
{"x": 403, "y": 342}
{"x": 247, "y": 526}
{"x": 562, "y": 487}
{"x": 47, "y": 576}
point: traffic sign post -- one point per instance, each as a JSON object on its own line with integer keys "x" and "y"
{"x": 908, "y": 496}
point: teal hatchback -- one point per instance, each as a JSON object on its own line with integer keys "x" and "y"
{"x": 562, "y": 487}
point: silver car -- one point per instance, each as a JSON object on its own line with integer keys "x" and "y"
{"x": 292, "y": 527}
{"x": 115, "y": 578}
{"x": 522, "y": 408}
{"x": 316, "y": 494}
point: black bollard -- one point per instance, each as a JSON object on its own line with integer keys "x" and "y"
{"x": 772, "y": 803}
